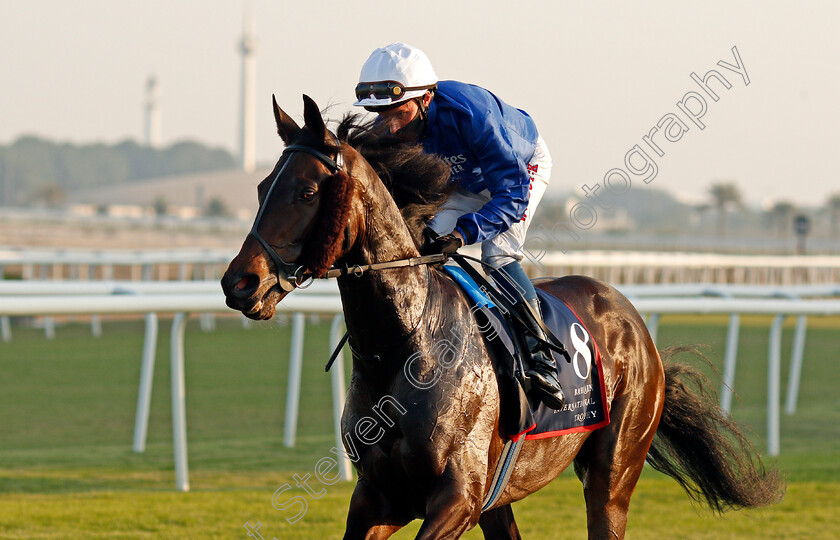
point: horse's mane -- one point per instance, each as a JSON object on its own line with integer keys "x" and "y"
{"x": 418, "y": 182}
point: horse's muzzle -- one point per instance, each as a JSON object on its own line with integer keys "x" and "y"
{"x": 247, "y": 293}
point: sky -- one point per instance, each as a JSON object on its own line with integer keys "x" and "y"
{"x": 596, "y": 77}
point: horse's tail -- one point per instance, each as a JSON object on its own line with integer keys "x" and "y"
{"x": 703, "y": 450}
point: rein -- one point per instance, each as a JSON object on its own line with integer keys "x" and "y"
{"x": 499, "y": 298}
{"x": 358, "y": 270}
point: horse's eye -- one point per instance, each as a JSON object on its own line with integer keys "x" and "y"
{"x": 307, "y": 194}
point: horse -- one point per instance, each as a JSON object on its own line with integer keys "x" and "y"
{"x": 335, "y": 200}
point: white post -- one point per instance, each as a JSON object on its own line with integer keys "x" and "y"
{"x": 773, "y": 375}
{"x": 796, "y": 363}
{"x": 338, "y": 390}
{"x": 95, "y": 320}
{"x": 293, "y": 391}
{"x": 207, "y": 321}
{"x": 653, "y": 326}
{"x": 49, "y": 321}
{"x": 96, "y": 326}
{"x": 5, "y": 328}
{"x": 179, "y": 414}
{"x": 728, "y": 385}
{"x": 49, "y": 327}
{"x": 144, "y": 392}
{"x": 5, "y": 322}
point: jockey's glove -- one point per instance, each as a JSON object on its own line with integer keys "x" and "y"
{"x": 447, "y": 244}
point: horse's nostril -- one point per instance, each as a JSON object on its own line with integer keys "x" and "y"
{"x": 247, "y": 284}
{"x": 240, "y": 287}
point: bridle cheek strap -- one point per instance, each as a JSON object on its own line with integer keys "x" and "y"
{"x": 290, "y": 274}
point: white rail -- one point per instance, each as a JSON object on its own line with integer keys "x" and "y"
{"x": 677, "y": 267}
{"x": 321, "y": 299}
{"x": 115, "y": 257}
{"x": 75, "y": 288}
{"x": 73, "y": 303}
{"x": 612, "y": 266}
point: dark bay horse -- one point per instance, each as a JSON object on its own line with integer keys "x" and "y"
{"x": 434, "y": 449}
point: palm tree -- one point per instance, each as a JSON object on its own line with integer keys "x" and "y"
{"x": 160, "y": 205}
{"x": 725, "y": 195}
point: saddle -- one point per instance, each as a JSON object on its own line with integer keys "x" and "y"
{"x": 581, "y": 378}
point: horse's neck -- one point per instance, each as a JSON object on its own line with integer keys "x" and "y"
{"x": 382, "y": 307}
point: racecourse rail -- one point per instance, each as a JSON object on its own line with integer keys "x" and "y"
{"x": 616, "y": 267}
{"x": 34, "y": 298}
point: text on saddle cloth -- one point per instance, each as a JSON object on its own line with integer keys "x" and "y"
{"x": 582, "y": 379}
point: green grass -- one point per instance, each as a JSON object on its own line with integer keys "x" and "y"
{"x": 67, "y": 414}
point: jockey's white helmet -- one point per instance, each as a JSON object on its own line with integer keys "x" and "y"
{"x": 393, "y": 74}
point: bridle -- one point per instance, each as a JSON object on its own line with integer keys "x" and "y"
{"x": 292, "y": 274}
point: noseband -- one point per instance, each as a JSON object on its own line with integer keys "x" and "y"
{"x": 292, "y": 274}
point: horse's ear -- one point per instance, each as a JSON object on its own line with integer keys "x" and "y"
{"x": 313, "y": 119}
{"x": 286, "y": 127}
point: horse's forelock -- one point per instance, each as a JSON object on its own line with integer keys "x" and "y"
{"x": 336, "y": 192}
{"x": 326, "y": 243}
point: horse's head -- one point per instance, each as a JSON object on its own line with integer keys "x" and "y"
{"x": 365, "y": 200}
{"x": 303, "y": 224}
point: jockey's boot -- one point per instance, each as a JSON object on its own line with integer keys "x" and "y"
{"x": 543, "y": 369}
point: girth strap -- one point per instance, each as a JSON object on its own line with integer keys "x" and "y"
{"x": 504, "y": 468}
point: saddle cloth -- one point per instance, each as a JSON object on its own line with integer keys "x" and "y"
{"x": 582, "y": 380}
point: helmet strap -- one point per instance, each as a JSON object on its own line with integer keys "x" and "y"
{"x": 424, "y": 109}
{"x": 417, "y": 126}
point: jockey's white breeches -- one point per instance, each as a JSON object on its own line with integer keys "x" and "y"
{"x": 506, "y": 247}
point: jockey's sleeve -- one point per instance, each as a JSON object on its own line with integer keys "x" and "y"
{"x": 507, "y": 179}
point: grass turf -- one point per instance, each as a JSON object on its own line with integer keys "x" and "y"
{"x": 67, "y": 414}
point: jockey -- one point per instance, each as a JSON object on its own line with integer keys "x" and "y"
{"x": 501, "y": 166}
